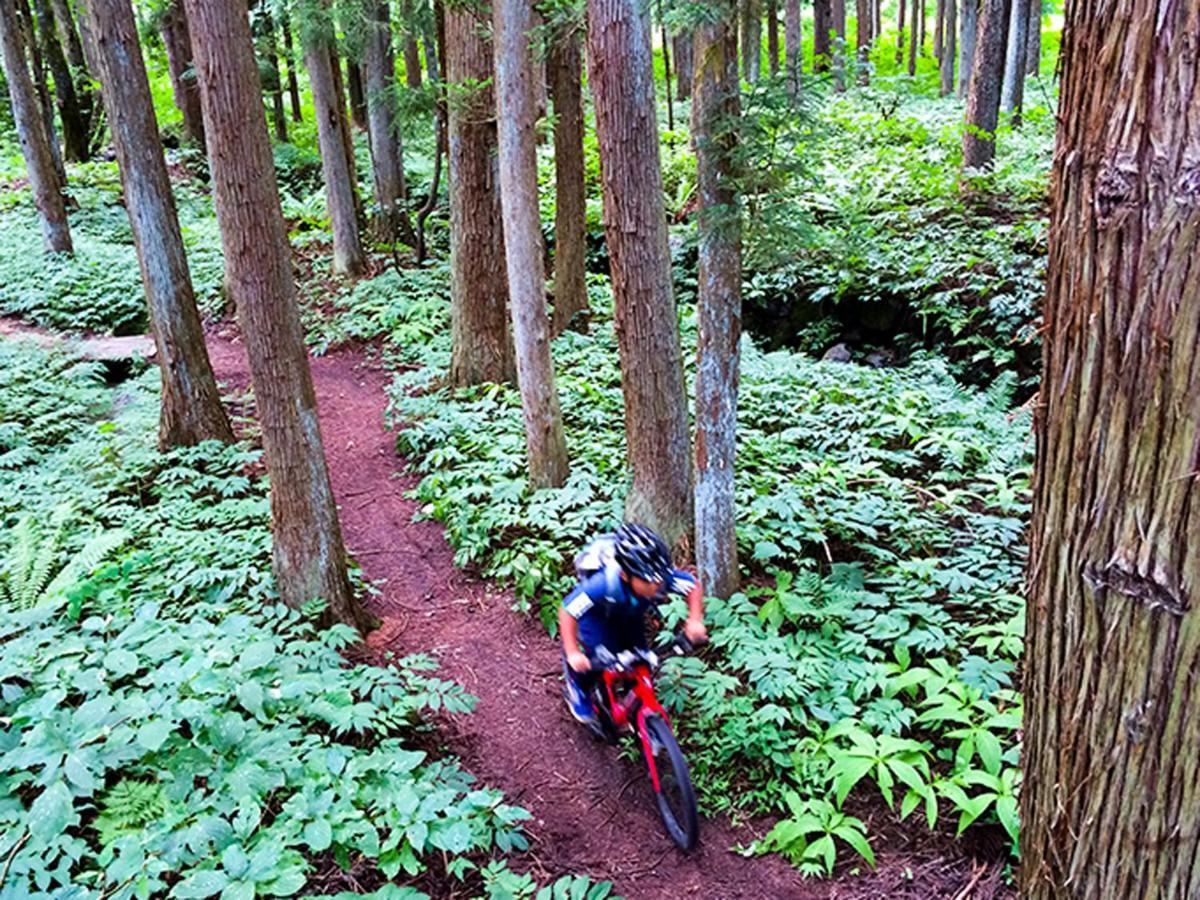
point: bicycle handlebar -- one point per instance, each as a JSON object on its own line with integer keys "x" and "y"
{"x": 602, "y": 658}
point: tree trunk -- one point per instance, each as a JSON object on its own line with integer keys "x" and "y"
{"x": 75, "y": 120}
{"x": 666, "y": 57}
{"x": 863, "y": 40}
{"x": 517, "y": 118}
{"x": 656, "y": 427}
{"x": 901, "y": 24}
{"x": 412, "y": 62}
{"x": 41, "y": 86}
{"x": 1012, "y": 92}
{"x": 343, "y": 120}
{"x": 190, "y": 411}
{"x": 950, "y": 47}
{"x": 983, "y": 101}
{"x": 429, "y": 42}
{"x": 482, "y": 350}
{"x": 178, "y": 43}
{"x": 387, "y": 153}
{"x": 1112, "y": 727}
{"x": 793, "y": 35}
{"x": 968, "y": 34}
{"x": 278, "y": 114}
{"x": 31, "y": 134}
{"x": 715, "y": 109}
{"x": 309, "y": 558}
{"x": 838, "y": 24}
{"x": 773, "y": 36}
{"x": 939, "y": 29}
{"x": 358, "y": 100}
{"x": 822, "y": 28}
{"x": 336, "y": 163}
{"x": 293, "y": 86}
{"x": 914, "y": 38}
{"x": 1033, "y": 48}
{"x": 751, "y": 39}
{"x": 922, "y": 24}
{"x": 68, "y": 35}
{"x": 565, "y": 62}
{"x": 683, "y": 65}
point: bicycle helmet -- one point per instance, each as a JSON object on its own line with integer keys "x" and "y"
{"x": 642, "y": 553}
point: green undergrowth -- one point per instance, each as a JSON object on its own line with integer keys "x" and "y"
{"x": 167, "y": 728}
{"x": 875, "y": 646}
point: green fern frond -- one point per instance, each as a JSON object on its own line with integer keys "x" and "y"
{"x": 84, "y": 563}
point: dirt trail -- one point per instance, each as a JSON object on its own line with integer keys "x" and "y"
{"x": 593, "y": 812}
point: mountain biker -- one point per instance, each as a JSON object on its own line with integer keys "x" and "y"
{"x": 621, "y": 577}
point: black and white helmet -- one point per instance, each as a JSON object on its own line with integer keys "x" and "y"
{"x": 642, "y": 553}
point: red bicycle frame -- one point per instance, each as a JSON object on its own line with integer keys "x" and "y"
{"x": 637, "y": 703}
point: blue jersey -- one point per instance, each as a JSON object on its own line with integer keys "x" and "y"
{"x": 610, "y": 613}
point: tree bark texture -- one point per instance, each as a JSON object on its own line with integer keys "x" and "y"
{"x": 752, "y": 14}
{"x": 822, "y": 28}
{"x": 308, "y": 555}
{"x": 358, "y": 99}
{"x": 914, "y": 38}
{"x": 1033, "y": 48}
{"x": 901, "y": 24}
{"x": 178, "y": 43}
{"x": 190, "y": 410}
{"x": 718, "y": 304}
{"x": 1012, "y": 92}
{"x": 337, "y": 164}
{"x": 482, "y": 350}
{"x": 68, "y": 35}
{"x": 838, "y": 23}
{"x": 293, "y": 86}
{"x": 387, "y": 153}
{"x": 793, "y": 38}
{"x": 656, "y": 428}
{"x": 275, "y": 88}
{"x": 773, "y": 36}
{"x": 683, "y": 65}
{"x": 565, "y": 62}
{"x": 939, "y": 29}
{"x": 968, "y": 36}
{"x": 1112, "y": 723}
{"x": 31, "y": 134}
{"x": 412, "y": 62}
{"x": 545, "y": 441}
{"x": 74, "y": 118}
{"x": 429, "y": 41}
{"x": 950, "y": 47}
{"x": 42, "y": 89}
{"x": 983, "y": 99}
{"x": 863, "y": 39}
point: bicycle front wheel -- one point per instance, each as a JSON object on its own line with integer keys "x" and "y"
{"x": 675, "y": 795}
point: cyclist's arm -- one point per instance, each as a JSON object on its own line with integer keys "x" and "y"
{"x": 568, "y": 626}
{"x": 693, "y": 592}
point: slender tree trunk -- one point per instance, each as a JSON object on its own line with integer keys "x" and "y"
{"x": 752, "y": 15}
{"x": 387, "y": 154}
{"x": 939, "y": 26}
{"x": 565, "y": 63}
{"x": 969, "y": 32}
{"x": 190, "y": 411}
{"x": 1033, "y": 49}
{"x": 293, "y": 85}
{"x": 545, "y": 441}
{"x": 656, "y": 428}
{"x": 336, "y": 163}
{"x": 838, "y": 21}
{"x": 718, "y": 304}
{"x": 1012, "y": 92}
{"x": 666, "y": 56}
{"x": 42, "y": 89}
{"x": 278, "y": 114}
{"x": 412, "y": 62}
{"x": 429, "y": 42}
{"x": 343, "y": 120}
{"x": 793, "y": 35}
{"x": 822, "y": 28}
{"x": 1112, "y": 726}
{"x": 950, "y": 48}
{"x": 31, "y": 134}
{"x": 983, "y": 101}
{"x": 74, "y": 119}
{"x": 901, "y": 24}
{"x": 358, "y": 100}
{"x": 922, "y": 24}
{"x": 482, "y": 350}
{"x": 309, "y": 558}
{"x": 863, "y": 40}
{"x": 683, "y": 66}
{"x": 773, "y": 36}
{"x": 914, "y": 38}
{"x": 68, "y": 35}
{"x": 178, "y": 43}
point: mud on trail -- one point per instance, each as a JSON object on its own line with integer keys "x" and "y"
{"x": 593, "y": 812}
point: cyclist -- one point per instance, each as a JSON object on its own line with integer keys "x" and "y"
{"x": 621, "y": 577}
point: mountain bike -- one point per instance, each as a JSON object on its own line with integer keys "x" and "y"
{"x": 625, "y": 703}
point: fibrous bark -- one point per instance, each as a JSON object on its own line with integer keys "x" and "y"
{"x": 822, "y": 28}
{"x": 387, "y": 154}
{"x": 751, "y": 39}
{"x": 74, "y": 118}
{"x": 968, "y": 34}
{"x": 1012, "y": 92}
{"x": 293, "y": 86}
{"x": 1112, "y": 660}
{"x": 914, "y": 37}
{"x": 412, "y": 62}
{"x": 683, "y": 65}
{"x": 901, "y": 24}
{"x": 793, "y": 35}
{"x": 178, "y": 43}
{"x": 1033, "y": 48}
{"x": 773, "y": 36}
{"x": 950, "y": 48}
{"x": 838, "y": 23}
{"x": 358, "y": 99}
{"x": 565, "y": 64}
{"x": 863, "y": 39}
{"x": 983, "y": 98}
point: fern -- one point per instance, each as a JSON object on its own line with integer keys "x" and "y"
{"x": 128, "y": 807}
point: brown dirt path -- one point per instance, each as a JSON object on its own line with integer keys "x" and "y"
{"x": 593, "y": 812}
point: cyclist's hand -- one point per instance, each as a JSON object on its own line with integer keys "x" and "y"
{"x": 694, "y": 631}
{"x": 578, "y": 661}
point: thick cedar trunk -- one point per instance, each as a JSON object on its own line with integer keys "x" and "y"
{"x": 190, "y": 411}
{"x": 387, "y": 154}
{"x": 1033, "y": 46}
{"x": 565, "y": 63}
{"x": 309, "y": 558}
{"x": 1012, "y": 93}
{"x": 838, "y": 24}
{"x": 822, "y": 28}
{"x": 75, "y": 119}
{"x": 358, "y": 100}
{"x": 178, "y": 43}
{"x": 31, "y": 134}
{"x": 863, "y": 39}
{"x": 901, "y": 25}
{"x": 481, "y": 348}
{"x": 968, "y": 35}
{"x": 983, "y": 99}
{"x": 718, "y": 304}
{"x": 683, "y": 65}
{"x": 1112, "y": 723}
{"x": 337, "y": 164}
{"x": 293, "y": 86}
{"x": 914, "y": 37}
{"x": 773, "y": 36}
{"x": 950, "y": 47}
{"x": 751, "y": 39}
{"x": 412, "y": 62}
{"x": 939, "y": 26}
{"x": 517, "y": 117}
{"x": 793, "y": 36}
{"x": 656, "y": 428}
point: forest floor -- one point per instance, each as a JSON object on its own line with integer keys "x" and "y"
{"x": 593, "y": 811}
